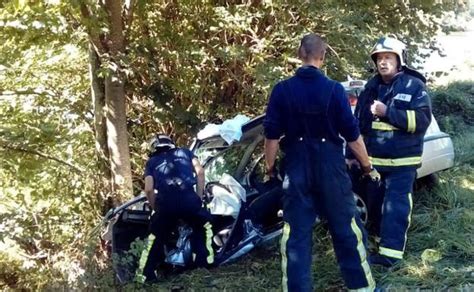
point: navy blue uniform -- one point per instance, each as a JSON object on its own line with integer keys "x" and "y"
{"x": 395, "y": 145}
{"x": 174, "y": 179}
{"x": 312, "y": 110}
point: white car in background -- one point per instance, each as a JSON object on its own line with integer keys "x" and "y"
{"x": 438, "y": 151}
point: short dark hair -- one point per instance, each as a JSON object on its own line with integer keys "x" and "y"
{"x": 312, "y": 47}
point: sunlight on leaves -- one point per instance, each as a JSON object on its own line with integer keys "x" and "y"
{"x": 430, "y": 256}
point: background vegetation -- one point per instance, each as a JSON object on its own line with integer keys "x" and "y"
{"x": 179, "y": 65}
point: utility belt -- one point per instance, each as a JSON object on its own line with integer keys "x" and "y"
{"x": 287, "y": 142}
{"x": 175, "y": 184}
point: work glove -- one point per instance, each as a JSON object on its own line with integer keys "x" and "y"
{"x": 372, "y": 173}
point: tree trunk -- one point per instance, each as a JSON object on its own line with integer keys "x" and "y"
{"x": 100, "y": 126}
{"x": 117, "y": 136}
{"x": 109, "y": 95}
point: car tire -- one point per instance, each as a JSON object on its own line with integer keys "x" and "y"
{"x": 361, "y": 208}
{"x": 427, "y": 182}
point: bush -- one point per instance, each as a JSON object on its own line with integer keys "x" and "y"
{"x": 453, "y": 105}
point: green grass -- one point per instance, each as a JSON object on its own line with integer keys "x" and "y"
{"x": 442, "y": 225}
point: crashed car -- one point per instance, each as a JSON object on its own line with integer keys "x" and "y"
{"x": 246, "y": 209}
{"x": 238, "y": 198}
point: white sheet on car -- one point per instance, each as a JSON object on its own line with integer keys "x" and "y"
{"x": 230, "y": 130}
{"x": 234, "y": 186}
{"x": 227, "y": 201}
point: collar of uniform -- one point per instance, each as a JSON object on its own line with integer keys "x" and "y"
{"x": 308, "y": 71}
{"x": 377, "y": 79}
{"x": 394, "y": 78}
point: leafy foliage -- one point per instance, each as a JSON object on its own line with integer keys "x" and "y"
{"x": 46, "y": 150}
{"x": 200, "y": 62}
{"x": 454, "y": 104}
{"x": 185, "y": 63}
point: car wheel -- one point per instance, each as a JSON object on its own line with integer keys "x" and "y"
{"x": 361, "y": 208}
{"x": 428, "y": 182}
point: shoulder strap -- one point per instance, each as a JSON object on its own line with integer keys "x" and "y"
{"x": 292, "y": 102}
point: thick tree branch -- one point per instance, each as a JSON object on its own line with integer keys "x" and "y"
{"x": 93, "y": 35}
{"x": 26, "y": 92}
{"x": 40, "y": 154}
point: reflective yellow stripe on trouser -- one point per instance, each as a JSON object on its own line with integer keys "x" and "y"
{"x": 393, "y": 253}
{"x": 284, "y": 259}
{"x": 411, "y": 121}
{"x": 383, "y": 126}
{"x": 139, "y": 277}
{"x": 395, "y": 161}
{"x": 363, "y": 258}
{"x": 410, "y": 199}
{"x": 208, "y": 228}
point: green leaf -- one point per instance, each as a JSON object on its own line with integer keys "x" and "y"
{"x": 430, "y": 256}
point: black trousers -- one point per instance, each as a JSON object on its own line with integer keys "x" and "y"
{"x": 172, "y": 207}
{"x": 316, "y": 183}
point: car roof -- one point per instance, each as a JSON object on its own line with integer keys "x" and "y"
{"x": 254, "y": 128}
{"x": 250, "y": 132}
{"x": 353, "y": 84}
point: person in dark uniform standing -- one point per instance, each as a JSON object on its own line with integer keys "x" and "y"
{"x": 394, "y": 112}
{"x": 312, "y": 111}
{"x": 170, "y": 176}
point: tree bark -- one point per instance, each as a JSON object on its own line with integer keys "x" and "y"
{"x": 100, "y": 126}
{"x": 98, "y": 99}
{"x": 109, "y": 97}
{"x": 117, "y": 136}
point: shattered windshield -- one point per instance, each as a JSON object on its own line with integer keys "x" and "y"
{"x": 217, "y": 161}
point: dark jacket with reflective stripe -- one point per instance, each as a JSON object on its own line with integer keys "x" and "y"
{"x": 172, "y": 170}
{"x": 396, "y": 140}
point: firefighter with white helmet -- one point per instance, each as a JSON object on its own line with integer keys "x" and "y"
{"x": 390, "y": 45}
{"x": 394, "y": 111}
{"x": 170, "y": 175}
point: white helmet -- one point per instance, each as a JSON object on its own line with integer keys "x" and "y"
{"x": 391, "y": 45}
{"x": 160, "y": 141}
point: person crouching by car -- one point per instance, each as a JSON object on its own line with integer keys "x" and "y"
{"x": 394, "y": 112}
{"x": 170, "y": 175}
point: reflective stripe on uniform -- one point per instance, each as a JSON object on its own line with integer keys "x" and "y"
{"x": 139, "y": 277}
{"x": 395, "y": 161}
{"x": 210, "y": 257}
{"x": 363, "y": 258}
{"x": 383, "y": 126}
{"x": 411, "y": 120}
{"x": 397, "y": 254}
{"x": 365, "y": 289}
{"x": 409, "y": 219}
{"x": 284, "y": 259}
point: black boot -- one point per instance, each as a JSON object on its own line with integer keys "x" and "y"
{"x": 378, "y": 259}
